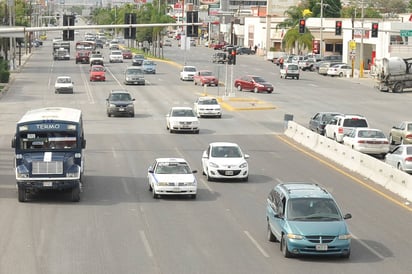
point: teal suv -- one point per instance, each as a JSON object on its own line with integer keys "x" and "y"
{"x": 306, "y": 220}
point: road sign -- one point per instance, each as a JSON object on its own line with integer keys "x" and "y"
{"x": 405, "y": 33}
{"x": 352, "y": 45}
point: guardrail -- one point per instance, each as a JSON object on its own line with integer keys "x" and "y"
{"x": 375, "y": 170}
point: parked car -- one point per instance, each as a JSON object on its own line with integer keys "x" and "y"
{"x": 97, "y": 73}
{"x": 182, "y": 119}
{"x": 339, "y": 70}
{"x": 205, "y": 78}
{"x": 63, "y": 84}
{"x": 149, "y": 67}
{"x": 306, "y": 220}
{"x": 127, "y": 54}
{"x": 223, "y": 160}
{"x": 368, "y": 141}
{"x": 116, "y": 56}
{"x": 219, "y": 57}
{"x": 120, "y": 103}
{"x": 244, "y": 50}
{"x": 343, "y": 124}
{"x": 400, "y": 157}
{"x": 290, "y": 70}
{"x": 253, "y": 83}
{"x": 401, "y": 134}
{"x": 83, "y": 56}
{"x": 138, "y": 59}
{"x": 187, "y": 73}
{"x": 218, "y": 46}
{"x": 171, "y": 176}
{"x": 318, "y": 122}
{"x": 207, "y": 106}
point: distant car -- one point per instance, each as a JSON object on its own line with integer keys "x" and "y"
{"x": 114, "y": 44}
{"x": 290, "y": 70}
{"x": 223, "y": 160}
{"x": 205, "y": 78}
{"x": 253, "y": 83}
{"x": 368, "y": 141}
{"x": 120, "y": 103}
{"x": 127, "y": 54}
{"x": 401, "y": 134}
{"x": 325, "y": 65}
{"x": 171, "y": 176}
{"x": 343, "y": 124}
{"x": 218, "y": 46}
{"x": 96, "y": 58}
{"x": 97, "y": 73}
{"x": 149, "y": 67}
{"x": 137, "y": 59}
{"x": 116, "y": 56}
{"x": 318, "y": 122}
{"x": 207, "y": 106}
{"x": 244, "y": 50}
{"x": 187, "y": 73}
{"x": 182, "y": 119}
{"x": 401, "y": 158}
{"x": 63, "y": 84}
{"x": 219, "y": 57}
{"x": 134, "y": 76}
{"x": 167, "y": 43}
{"x": 339, "y": 70}
{"x": 83, "y": 56}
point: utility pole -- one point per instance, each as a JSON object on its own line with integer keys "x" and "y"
{"x": 361, "y": 46}
{"x": 321, "y": 29}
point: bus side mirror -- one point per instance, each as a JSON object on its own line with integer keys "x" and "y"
{"x": 83, "y": 143}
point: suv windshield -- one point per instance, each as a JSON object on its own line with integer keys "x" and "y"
{"x": 120, "y": 97}
{"x": 355, "y": 122}
{"x": 312, "y": 209}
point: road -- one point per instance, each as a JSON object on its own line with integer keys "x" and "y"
{"x": 119, "y": 228}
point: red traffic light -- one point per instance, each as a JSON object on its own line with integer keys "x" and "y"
{"x": 338, "y": 24}
{"x": 375, "y": 25}
{"x": 302, "y": 22}
{"x": 234, "y": 52}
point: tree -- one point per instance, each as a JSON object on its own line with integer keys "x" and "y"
{"x": 331, "y": 8}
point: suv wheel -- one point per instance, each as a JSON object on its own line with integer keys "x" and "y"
{"x": 284, "y": 247}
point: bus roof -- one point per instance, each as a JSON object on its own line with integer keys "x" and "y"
{"x": 52, "y": 113}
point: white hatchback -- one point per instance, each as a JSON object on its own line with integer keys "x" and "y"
{"x": 63, "y": 84}
{"x": 171, "y": 176}
{"x": 187, "y": 73}
{"x": 223, "y": 160}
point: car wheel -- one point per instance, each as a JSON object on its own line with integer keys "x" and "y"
{"x": 341, "y": 74}
{"x": 22, "y": 195}
{"x": 239, "y": 87}
{"x": 195, "y": 83}
{"x": 346, "y": 255}
{"x": 208, "y": 177}
{"x": 270, "y": 236}
{"x": 193, "y": 196}
{"x": 131, "y": 114}
{"x": 197, "y": 131}
{"x": 391, "y": 141}
{"x": 245, "y": 179}
{"x": 398, "y": 87}
{"x": 75, "y": 194}
{"x": 284, "y": 247}
{"x": 170, "y": 130}
{"x": 297, "y": 78}
{"x": 400, "y": 167}
{"x": 155, "y": 196}
{"x": 255, "y": 90}
{"x": 150, "y": 187}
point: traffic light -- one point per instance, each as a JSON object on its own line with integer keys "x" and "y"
{"x": 130, "y": 32}
{"x": 230, "y": 56}
{"x": 375, "y": 29}
{"x": 302, "y": 25}
{"x": 68, "y": 20}
{"x": 233, "y": 53}
{"x": 338, "y": 28}
{"x": 192, "y": 30}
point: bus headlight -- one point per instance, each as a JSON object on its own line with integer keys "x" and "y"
{"x": 73, "y": 172}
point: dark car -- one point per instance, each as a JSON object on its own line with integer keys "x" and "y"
{"x": 99, "y": 43}
{"x": 120, "y": 102}
{"x": 138, "y": 60}
{"x": 127, "y": 54}
{"x": 244, "y": 50}
{"x": 318, "y": 122}
{"x": 253, "y": 83}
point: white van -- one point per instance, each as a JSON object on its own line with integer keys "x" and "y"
{"x": 290, "y": 70}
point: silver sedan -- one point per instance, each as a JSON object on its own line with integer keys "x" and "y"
{"x": 401, "y": 158}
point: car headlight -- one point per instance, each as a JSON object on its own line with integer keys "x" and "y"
{"x": 244, "y": 165}
{"x": 112, "y": 105}
{"x": 345, "y": 237}
{"x": 22, "y": 172}
{"x": 295, "y": 236}
{"x": 191, "y": 183}
{"x": 130, "y": 105}
{"x": 211, "y": 164}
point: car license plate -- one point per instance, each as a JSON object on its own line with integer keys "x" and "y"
{"x": 121, "y": 109}
{"x": 176, "y": 189}
{"x": 49, "y": 184}
{"x": 321, "y": 247}
{"x": 229, "y": 172}
{"x": 135, "y": 83}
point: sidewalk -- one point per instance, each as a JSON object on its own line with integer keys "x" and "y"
{"x": 17, "y": 68}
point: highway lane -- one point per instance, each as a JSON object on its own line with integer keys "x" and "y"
{"x": 119, "y": 228}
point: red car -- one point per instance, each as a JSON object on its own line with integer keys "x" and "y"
{"x": 218, "y": 46}
{"x": 97, "y": 73}
{"x": 127, "y": 54}
{"x": 253, "y": 83}
{"x": 205, "y": 78}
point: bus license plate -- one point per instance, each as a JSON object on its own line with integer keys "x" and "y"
{"x": 321, "y": 247}
{"x": 48, "y": 184}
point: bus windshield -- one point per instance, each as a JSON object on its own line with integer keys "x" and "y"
{"x": 40, "y": 141}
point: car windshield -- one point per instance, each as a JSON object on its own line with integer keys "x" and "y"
{"x": 120, "y": 97}
{"x": 97, "y": 69}
{"x": 312, "y": 209}
{"x": 354, "y": 122}
{"x": 206, "y": 73}
{"x": 258, "y": 79}
{"x": 192, "y": 69}
{"x": 64, "y": 80}
{"x": 370, "y": 134}
{"x": 226, "y": 152}
{"x": 138, "y": 56}
{"x": 208, "y": 102}
{"x": 172, "y": 168}
{"x": 183, "y": 113}
{"x": 148, "y": 63}
{"x": 134, "y": 71}
{"x": 328, "y": 116}
{"x": 116, "y": 53}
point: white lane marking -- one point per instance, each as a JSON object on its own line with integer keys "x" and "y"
{"x": 146, "y": 243}
{"x": 368, "y": 247}
{"x": 256, "y": 244}
{"x": 114, "y": 153}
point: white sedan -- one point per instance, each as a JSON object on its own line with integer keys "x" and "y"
{"x": 224, "y": 160}
{"x": 171, "y": 176}
{"x": 339, "y": 70}
{"x": 182, "y": 119}
{"x": 63, "y": 84}
{"x": 207, "y": 106}
{"x": 368, "y": 141}
{"x": 187, "y": 73}
{"x": 116, "y": 56}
